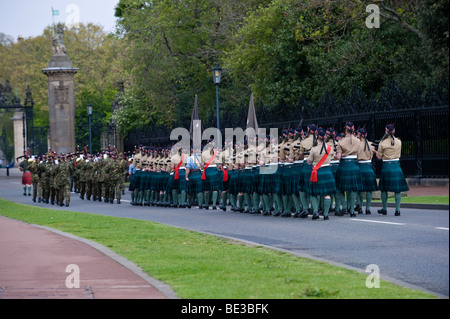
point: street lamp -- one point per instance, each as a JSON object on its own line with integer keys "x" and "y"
{"x": 89, "y": 110}
{"x": 217, "y": 74}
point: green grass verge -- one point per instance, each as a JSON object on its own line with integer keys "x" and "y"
{"x": 442, "y": 200}
{"x": 200, "y": 266}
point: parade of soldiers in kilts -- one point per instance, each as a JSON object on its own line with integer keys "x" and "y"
{"x": 314, "y": 171}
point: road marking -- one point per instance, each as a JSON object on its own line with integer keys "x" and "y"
{"x": 376, "y": 221}
{"x": 443, "y": 228}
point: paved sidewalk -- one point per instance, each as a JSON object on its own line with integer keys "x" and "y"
{"x": 33, "y": 263}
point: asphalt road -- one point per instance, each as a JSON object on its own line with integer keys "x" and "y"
{"x": 411, "y": 249}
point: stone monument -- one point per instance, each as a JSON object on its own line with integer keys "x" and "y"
{"x": 61, "y": 101}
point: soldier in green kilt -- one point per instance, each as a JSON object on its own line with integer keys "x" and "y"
{"x": 392, "y": 178}
{"x": 348, "y": 178}
{"x": 194, "y": 178}
{"x": 368, "y": 177}
{"x": 323, "y": 184}
{"x": 305, "y": 189}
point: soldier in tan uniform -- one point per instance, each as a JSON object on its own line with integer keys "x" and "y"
{"x": 227, "y": 174}
{"x": 368, "y": 177}
{"x": 348, "y": 177}
{"x": 392, "y": 178}
{"x": 324, "y": 186}
{"x": 211, "y": 159}
{"x": 305, "y": 146}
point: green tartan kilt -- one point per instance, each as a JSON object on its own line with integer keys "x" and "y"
{"x": 305, "y": 181}
{"x": 295, "y": 178}
{"x": 163, "y": 180}
{"x": 245, "y": 181}
{"x": 368, "y": 177}
{"x": 137, "y": 180}
{"x": 132, "y": 185}
{"x": 213, "y": 181}
{"x": 152, "y": 177}
{"x": 334, "y": 165}
{"x": 325, "y": 184}
{"x": 348, "y": 177}
{"x": 180, "y": 183}
{"x": 392, "y": 178}
{"x": 271, "y": 182}
{"x": 170, "y": 181}
{"x": 286, "y": 177}
{"x": 256, "y": 180}
{"x": 195, "y": 184}
{"x": 233, "y": 178}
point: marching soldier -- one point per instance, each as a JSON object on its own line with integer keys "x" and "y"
{"x": 194, "y": 177}
{"x": 43, "y": 180}
{"x": 368, "y": 177}
{"x": 322, "y": 179}
{"x": 210, "y": 175}
{"x": 26, "y": 176}
{"x": 392, "y": 178}
{"x": 34, "y": 169}
{"x": 63, "y": 172}
{"x": 348, "y": 178}
{"x": 305, "y": 146}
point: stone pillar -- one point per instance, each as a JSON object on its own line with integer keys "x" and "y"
{"x": 118, "y": 138}
{"x": 61, "y": 99}
{"x": 19, "y": 138}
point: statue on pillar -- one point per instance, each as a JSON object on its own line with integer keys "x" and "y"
{"x": 58, "y": 40}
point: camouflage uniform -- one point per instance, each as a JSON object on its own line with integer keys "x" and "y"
{"x": 63, "y": 172}
{"x": 34, "y": 169}
{"x": 43, "y": 182}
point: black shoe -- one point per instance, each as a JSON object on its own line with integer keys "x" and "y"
{"x": 304, "y": 214}
{"x": 315, "y": 216}
{"x": 224, "y": 208}
{"x": 277, "y": 213}
{"x": 34, "y": 199}
{"x": 286, "y": 214}
{"x": 61, "y": 204}
{"x": 352, "y": 214}
{"x": 118, "y": 201}
{"x": 358, "y": 209}
{"x": 82, "y": 197}
{"x": 326, "y": 218}
{"x": 368, "y": 212}
{"x": 382, "y": 211}
{"x": 297, "y": 214}
{"x": 266, "y": 213}
{"x": 67, "y": 205}
{"x": 214, "y": 207}
{"x": 397, "y": 213}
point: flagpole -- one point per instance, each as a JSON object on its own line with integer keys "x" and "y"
{"x": 53, "y": 22}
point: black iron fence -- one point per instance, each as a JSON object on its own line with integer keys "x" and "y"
{"x": 420, "y": 118}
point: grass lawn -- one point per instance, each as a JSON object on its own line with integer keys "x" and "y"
{"x": 442, "y": 200}
{"x": 199, "y": 266}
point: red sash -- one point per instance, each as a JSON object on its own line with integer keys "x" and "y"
{"x": 209, "y": 163}
{"x": 315, "y": 168}
{"x": 225, "y": 174}
{"x": 177, "y": 176}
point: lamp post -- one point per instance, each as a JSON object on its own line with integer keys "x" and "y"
{"x": 217, "y": 74}
{"x": 89, "y": 110}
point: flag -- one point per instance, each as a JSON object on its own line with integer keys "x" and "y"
{"x": 251, "y": 117}
{"x": 195, "y": 130}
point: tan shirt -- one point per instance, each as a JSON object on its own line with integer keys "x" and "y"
{"x": 368, "y": 153}
{"x": 348, "y": 145}
{"x": 388, "y": 151}
{"x": 285, "y": 150}
{"x": 306, "y": 144}
{"x": 137, "y": 161}
{"x": 315, "y": 156}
